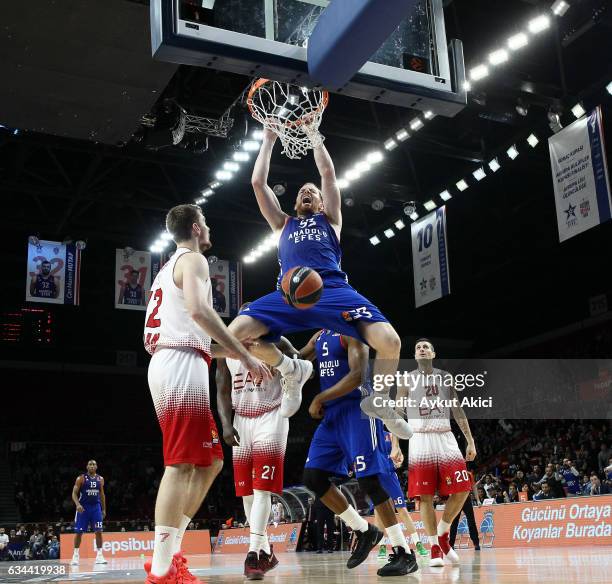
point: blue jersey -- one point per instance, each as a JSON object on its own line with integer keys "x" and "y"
{"x": 332, "y": 358}
{"x": 386, "y": 448}
{"x": 90, "y": 490}
{"x": 311, "y": 242}
{"x": 45, "y": 287}
{"x": 572, "y": 482}
{"x": 132, "y": 296}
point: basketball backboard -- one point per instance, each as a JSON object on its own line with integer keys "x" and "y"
{"x": 415, "y": 67}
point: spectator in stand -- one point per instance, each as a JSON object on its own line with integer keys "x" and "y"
{"x": 520, "y": 479}
{"x": 481, "y": 494}
{"x": 53, "y": 549}
{"x": 603, "y": 457}
{"x": 511, "y": 495}
{"x": 571, "y": 478}
{"x": 535, "y": 474}
{"x": 488, "y": 485}
{"x": 16, "y": 546}
{"x": 4, "y": 541}
{"x": 37, "y": 544}
{"x": 496, "y": 495}
{"x": 545, "y": 492}
{"x": 553, "y": 480}
{"x": 586, "y": 485}
{"x": 527, "y": 489}
{"x": 597, "y": 488}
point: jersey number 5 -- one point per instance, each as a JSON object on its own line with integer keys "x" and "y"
{"x": 153, "y": 321}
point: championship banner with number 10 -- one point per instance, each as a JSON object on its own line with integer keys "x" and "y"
{"x": 430, "y": 258}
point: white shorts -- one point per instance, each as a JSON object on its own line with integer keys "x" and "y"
{"x": 178, "y": 380}
{"x": 435, "y": 463}
{"x": 259, "y": 460}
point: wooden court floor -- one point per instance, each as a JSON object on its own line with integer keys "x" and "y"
{"x": 584, "y": 565}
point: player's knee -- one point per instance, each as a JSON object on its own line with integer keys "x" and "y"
{"x": 371, "y": 486}
{"x": 427, "y": 499}
{"x": 180, "y": 470}
{"x": 317, "y": 481}
{"x": 216, "y": 466}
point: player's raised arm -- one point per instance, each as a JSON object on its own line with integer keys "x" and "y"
{"x": 266, "y": 199}
{"x": 75, "y": 493}
{"x": 464, "y": 425}
{"x": 308, "y": 351}
{"x": 329, "y": 186}
{"x": 195, "y": 274}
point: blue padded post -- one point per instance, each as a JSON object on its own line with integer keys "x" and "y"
{"x": 348, "y": 33}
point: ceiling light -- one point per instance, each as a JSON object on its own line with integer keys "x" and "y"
{"x": 445, "y": 196}
{"x": 207, "y": 192}
{"x": 378, "y": 205}
{"x": 399, "y": 225}
{"x": 498, "y": 57}
{"x": 352, "y": 175}
{"x": 429, "y": 205}
{"x": 248, "y": 259}
{"x": 363, "y": 166}
{"x": 374, "y": 240}
{"x": 416, "y": 125}
{"x": 462, "y": 185}
{"x": 389, "y": 233}
{"x": 375, "y": 157}
{"x": 231, "y": 166}
{"x": 349, "y": 201}
{"x": 223, "y": 175}
{"x": 479, "y": 72}
{"x": 241, "y": 156}
{"x": 414, "y": 216}
{"x": 479, "y": 174}
{"x": 165, "y": 235}
{"x": 533, "y": 140}
{"x": 215, "y": 185}
{"x": 518, "y": 41}
{"x": 428, "y": 115}
{"x": 258, "y": 135}
{"x": 342, "y": 183}
{"x": 539, "y": 24}
{"x": 512, "y": 152}
{"x": 390, "y": 144}
{"x": 560, "y": 7}
{"x": 279, "y": 189}
{"x": 402, "y": 135}
{"x": 250, "y": 145}
{"x": 201, "y": 201}
{"x": 494, "y": 165}
{"x": 609, "y": 88}
{"x": 522, "y": 109}
{"x": 578, "y": 110}
{"x": 467, "y": 86}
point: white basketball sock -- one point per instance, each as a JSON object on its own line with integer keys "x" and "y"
{"x": 443, "y": 527}
{"x": 178, "y": 540}
{"x": 164, "y": 549}
{"x": 260, "y": 512}
{"x": 355, "y": 521}
{"x": 247, "y": 501}
{"x": 396, "y": 536}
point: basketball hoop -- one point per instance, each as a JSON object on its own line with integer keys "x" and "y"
{"x": 292, "y": 113}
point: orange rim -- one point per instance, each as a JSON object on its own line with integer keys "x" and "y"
{"x": 261, "y": 82}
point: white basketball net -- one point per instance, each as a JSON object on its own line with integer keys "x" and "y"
{"x": 293, "y": 113}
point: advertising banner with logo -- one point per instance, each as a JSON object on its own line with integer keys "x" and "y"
{"x": 430, "y": 258}
{"x": 226, "y": 280}
{"x": 558, "y": 522}
{"x": 132, "y": 544}
{"x": 580, "y": 176}
{"x": 53, "y": 272}
{"x": 283, "y": 537}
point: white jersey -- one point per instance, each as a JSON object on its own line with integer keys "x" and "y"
{"x": 253, "y": 397}
{"x": 430, "y": 394}
{"x": 167, "y": 322}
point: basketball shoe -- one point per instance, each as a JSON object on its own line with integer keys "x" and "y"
{"x": 447, "y": 550}
{"x": 182, "y": 575}
{"x": 364, "y": 542}
{"x": 168, "y": 578}
{"x": 436, "y": 560}
{"x": 252, "y": 568}
{"x": 401, "y": 562}
{"x": 292, "y": 384}
{"x": 421, "y": 550}
{"x": 267, "y": 562}
{"x": 394, "y": 422}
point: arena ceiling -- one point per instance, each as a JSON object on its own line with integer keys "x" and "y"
{"x": 76, "y": 90}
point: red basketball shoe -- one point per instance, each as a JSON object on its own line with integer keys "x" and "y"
{"x": 252, "y": 569}
{"x": 447, "y": 550}
{"x": 169, "y": 578}
{"x": 435, "y": 560}
{"x": 267, "y": 561}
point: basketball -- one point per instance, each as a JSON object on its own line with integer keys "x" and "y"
{"x": 301, "y": 287}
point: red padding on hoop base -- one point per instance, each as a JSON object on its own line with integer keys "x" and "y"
{"x": 348, "y": 33}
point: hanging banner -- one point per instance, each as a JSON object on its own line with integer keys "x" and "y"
{"x": 53, "y": 272}
{"x": 430, "y": 258}
{"x": 133, "y": 273}
{"x": 226, "y": 280}
{"x": 580, "y": 176}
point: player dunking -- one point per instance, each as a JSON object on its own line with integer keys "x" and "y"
{"x": 434, "y": 458}
{"x": 258, "y": 437}
{"x": 346, "y": 439}
{"x": 390, "y": 482}
{"x": 313, "y": 239}
{"x": 44, "y": 285}
{"x": 179, "y": 324}
{"x": 90, "y": 500}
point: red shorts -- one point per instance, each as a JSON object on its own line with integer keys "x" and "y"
{"x": 178, "y": 380}
{"x": 435, "y": 463}
{"x": 259, "y": 460}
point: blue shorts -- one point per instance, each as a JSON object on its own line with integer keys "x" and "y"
{"x": 346, "y": 439}
{"x": 391, "y": 484}
{"x": 340, "y": 309}
{"x": 92, "y": 515}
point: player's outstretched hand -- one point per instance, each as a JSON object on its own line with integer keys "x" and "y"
{"x": 231, "y": 436}
{"x": 268, "y": 134}
{"x": 470, "y": 452}
{"x": 80, "y": 509}
{"x": 258, "y": 369}
{"x": 316, "y": 409}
